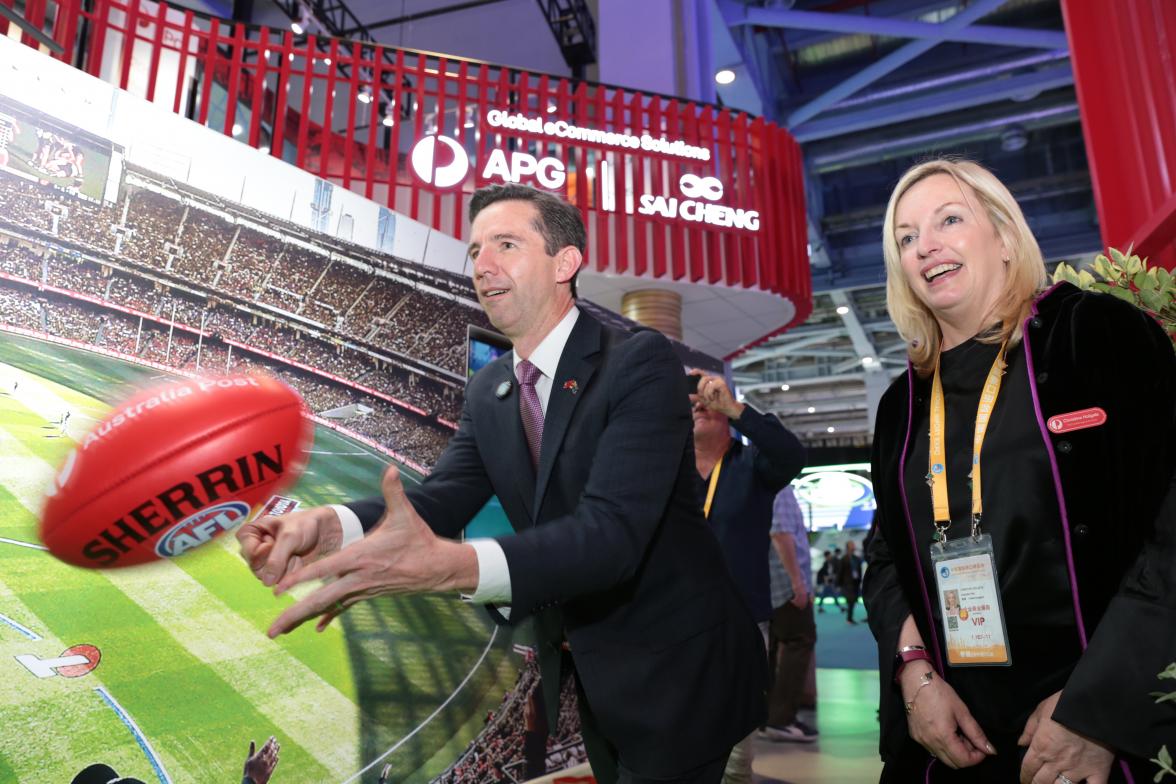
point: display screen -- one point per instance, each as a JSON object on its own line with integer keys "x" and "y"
{"x": 482, "y": 348}
{"x": 40, "y": 148}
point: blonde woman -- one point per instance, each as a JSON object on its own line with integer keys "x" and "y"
{"x": 1024, "y": 461}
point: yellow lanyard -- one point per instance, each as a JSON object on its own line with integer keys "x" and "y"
{"x": 937, "y": 454}
{"x": 714, "y": 482}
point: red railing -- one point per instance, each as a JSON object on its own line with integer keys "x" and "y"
{"x": 302, "y": 97}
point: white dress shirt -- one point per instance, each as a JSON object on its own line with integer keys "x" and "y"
{"x": 493, "y": 572}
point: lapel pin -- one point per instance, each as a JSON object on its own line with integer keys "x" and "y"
{"x": 572, "y": 385}
{"x": 502, "y": 390}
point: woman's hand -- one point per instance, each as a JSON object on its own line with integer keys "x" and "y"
{"x": 1056, "y": 752}
{"x": 940, "y": 721}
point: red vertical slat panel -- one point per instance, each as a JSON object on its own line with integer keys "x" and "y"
{"x": 156, "y": 49}
{"x": 603, "y": 219}
{"x": 418, "y": 99}
{"x": 621, "y": 180}
{"x": 130, "y": 24}
{"x": 283, "y": 89}
{"x": 734, "y": 270}
{"x": 65, "y": 31}
{"x": 581, "y": 119}
{"x": 660, "y": 262}
{"x": 677, "y": 228}
{"x": 304, "y": 109}
{"x": 327, "y": 144}
{"x": 763, "y": 186}
{"x": 374, "y": 120}
{"x": 181, "y": 70}
{"x": 99, "y": 28}
{"x": 352, "y": 61}
{"x": 258, "y": 98}
{"x": 442, "y": 66}
{"x": 236, "y": 58}
{"x": 394, "y": 138}
{"x": 209, "y": 71}
{"x": 34, "y": 13}
{"x": 463, "y": 85}
{"x": 743, "y": 201}
{"x": 640, "y": 185}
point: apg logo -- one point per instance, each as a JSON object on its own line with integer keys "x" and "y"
{"x": 444, "y": 165}
{"x": 201, "y": 527}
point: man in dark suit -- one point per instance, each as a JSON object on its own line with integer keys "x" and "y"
{"x": 584, "y": 434}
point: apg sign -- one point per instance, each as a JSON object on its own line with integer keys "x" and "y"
{"x": 443, "y": 162}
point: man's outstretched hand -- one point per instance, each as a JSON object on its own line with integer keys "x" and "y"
{"x": 400, "y": 555}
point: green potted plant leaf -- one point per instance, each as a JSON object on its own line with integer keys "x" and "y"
{"x": 1128, "y": 277}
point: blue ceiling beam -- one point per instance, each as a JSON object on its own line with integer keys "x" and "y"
{"x": 896, "y": 59}
{"x": 900, "y": 28}
{"x": 976, "y": 94}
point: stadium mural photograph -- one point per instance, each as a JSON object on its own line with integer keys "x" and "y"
{"x": 194, "y": 334}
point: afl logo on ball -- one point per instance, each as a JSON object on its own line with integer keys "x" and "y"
{"x": 201, "y": 527}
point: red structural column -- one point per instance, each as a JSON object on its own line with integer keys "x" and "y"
{"x": 1123, "y": 53}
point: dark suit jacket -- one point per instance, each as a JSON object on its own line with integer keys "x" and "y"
{"x": 611, "y": 543}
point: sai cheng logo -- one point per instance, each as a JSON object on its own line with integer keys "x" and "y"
{"x": 439, "y": 160}
{"x": 201, "y": 527}
{"x": 699, "y": 205}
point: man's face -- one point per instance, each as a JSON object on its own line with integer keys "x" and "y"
{"x": 516, "y": 281}
{"x": 707, "y": 422}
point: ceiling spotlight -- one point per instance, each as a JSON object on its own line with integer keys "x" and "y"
{"x": 264, "y": 149}
{"x": 300, "y": 25}
{"x": 867, "y": 361}
{"x": 237, "y": 129}
{"x": 812, "y": 409}
{"x": 389, "y": 116}
{"x": 842, "y": 310}
{"x": 1014, "y": 138}
{"x": 327, "y": 61}
{"x": 365, "y": 94}
{"x": 785, "y": 387}
{"x": 830, "y": 429}
{"x": 724, "y": 76}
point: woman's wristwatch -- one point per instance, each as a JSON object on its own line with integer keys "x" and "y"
{"x": 907, "y": 655}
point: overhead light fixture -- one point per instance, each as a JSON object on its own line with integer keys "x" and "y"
{"x": 842, "y": 310}
{"x": 302, "y": 23}
{"x": 365, "y": 94}
{"x": 264, "y": 149}
{"x": 812, "y": 409}
{"x": 867, "y": 361}
{"x": 389, "y": 118}
{"x": 785, "y": 387}
{"x": 1014, "y": 138}
{"x": 237, "y": 129}
{"x": 830, "y": 429}
{"x": 724, "y": 76}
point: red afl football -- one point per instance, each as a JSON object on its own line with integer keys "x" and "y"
{"x": 173, "y": 467}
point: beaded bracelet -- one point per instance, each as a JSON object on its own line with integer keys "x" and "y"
{"x": 924, "y": 680}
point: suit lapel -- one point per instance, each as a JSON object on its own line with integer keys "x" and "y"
{"x": 511, "y": 437}
{"x": 577, "y": 364}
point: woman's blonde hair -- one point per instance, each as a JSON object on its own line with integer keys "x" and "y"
{"x": 1026, "y": 266}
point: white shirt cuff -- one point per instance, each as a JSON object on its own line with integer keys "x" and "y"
{"x": 352, "y": 528}
{"x": 493, "y": 573}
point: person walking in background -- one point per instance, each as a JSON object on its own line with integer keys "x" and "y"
{"x": 849, "y": 578}
{"x": 741, "y": 482}
{"x": 792, "y": 634}
{"x": 826, "y": 581}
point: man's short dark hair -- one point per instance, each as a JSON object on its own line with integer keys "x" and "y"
{"x": 558, "y": 222}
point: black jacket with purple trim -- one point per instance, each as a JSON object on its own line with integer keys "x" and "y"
{"x": 1115, "y": 489}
